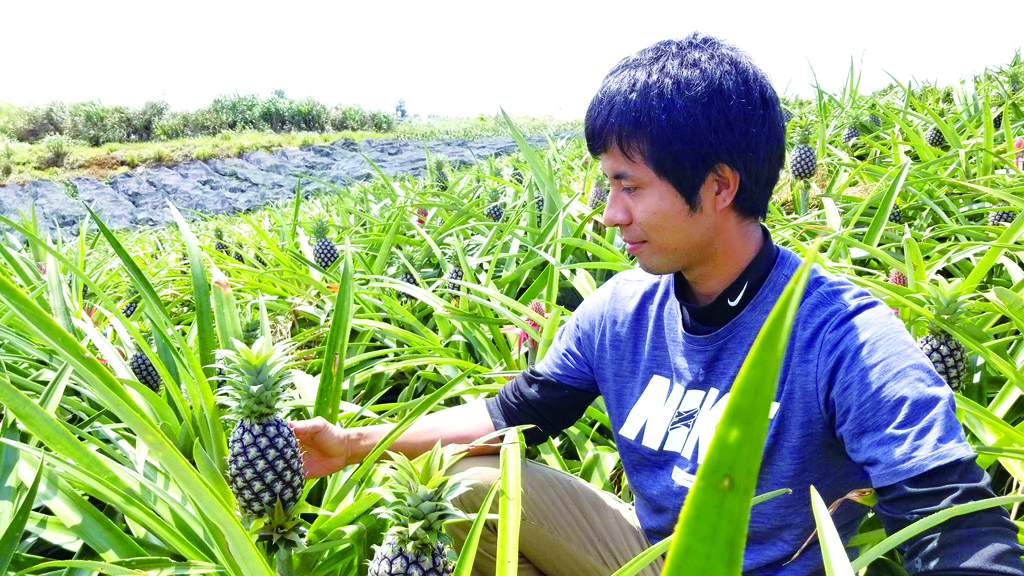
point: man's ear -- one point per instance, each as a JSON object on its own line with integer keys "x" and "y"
{"x": 725, "y": 182}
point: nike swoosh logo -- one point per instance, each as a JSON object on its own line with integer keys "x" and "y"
{"x": 738, "y": 296}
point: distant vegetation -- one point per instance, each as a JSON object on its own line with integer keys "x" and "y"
{"x": 59, "y": 140}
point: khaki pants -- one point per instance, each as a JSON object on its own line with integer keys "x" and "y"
{"x": 569, "y": 527}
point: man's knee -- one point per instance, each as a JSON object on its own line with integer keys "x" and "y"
{"x": 480, "y": 473}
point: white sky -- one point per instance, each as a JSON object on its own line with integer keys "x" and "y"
{"x": 463, "y": 58}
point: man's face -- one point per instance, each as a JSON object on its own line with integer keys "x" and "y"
{"x": 655, "y": 222}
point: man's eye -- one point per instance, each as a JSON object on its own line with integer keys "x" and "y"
{"x": 627, "y": 189}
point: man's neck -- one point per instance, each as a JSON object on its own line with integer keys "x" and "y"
{"x": 728, "y": 260}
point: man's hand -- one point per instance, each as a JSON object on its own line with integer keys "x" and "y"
{"x": 324, "y": 446}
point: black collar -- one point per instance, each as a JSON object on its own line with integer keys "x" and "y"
{"x": 703, "y": 320}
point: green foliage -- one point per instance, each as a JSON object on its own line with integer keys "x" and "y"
{"x": 57, "y": 148}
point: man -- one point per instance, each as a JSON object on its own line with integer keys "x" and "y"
{"x": 691, "y": 138}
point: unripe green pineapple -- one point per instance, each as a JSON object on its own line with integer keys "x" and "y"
{"x": 896, "y": 216}
{"x": 222, "y": 247}
{"x": 144, "y": 371}
{"x": 803, "y": 160}
{"x": 598, "y": 196}
{"x": 946, "y": 352}
{"x": 850, "y": 134}
{"x": 496, "y": 211}
{"x": 440, "y": 176}
{"x": 934, "y": 137}
{"x": 454, "y": 274}
{"x": 997, "y": 217}
{"x": 131, "y": 303}
{"x": 325, "y": 253}
{"x": 264, "y": 463}
{"x": 418, "y": 504}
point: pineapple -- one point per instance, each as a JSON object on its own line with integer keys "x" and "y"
{"x": 517, "y": 176}
{"x": 144, "y": 371}
{"x": 222, "y": 247}
{"x": 539, "y": 204}
{"x": 325, "y": 253}
{"x": 803, "y": 160}
{"x": 997, "y": 217}
{"x": 997, "y": 120}
{"x": 598, "y": 197}
{"x": 947, "y": 354}
{"x": 454, "y": 274}
{"x": 850, "y": 134}
{"x": 897, "y": 277}
{"x": 264, "y": 463}
{"x": 934, "y": 137}
{"x": 875, "y": 120}
{"x": 131, "y": 304}
{"x": 440, "y": 176}
{"x": 496, "y": 211}
{"x": 786, "y": 116}
{"x": 418, "y": 504}
{"x": 896, "y": 216}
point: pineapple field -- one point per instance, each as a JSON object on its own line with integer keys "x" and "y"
{"x": 147, "y": 377}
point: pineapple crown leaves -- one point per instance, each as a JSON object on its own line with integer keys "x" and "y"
{"x": 945, "y": 299}
{"x": 418, "y": 500}
{"x": 257, "y": 377}
{"x": 802, "y": 130}
{"x": 321, "y": 229}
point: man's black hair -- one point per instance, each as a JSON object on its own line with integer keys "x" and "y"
{"x": 685, "y": 107}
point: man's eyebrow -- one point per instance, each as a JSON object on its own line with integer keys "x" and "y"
{"x": 619, "y": 176}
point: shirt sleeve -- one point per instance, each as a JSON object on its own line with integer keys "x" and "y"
{"x": 983, "y": 542}
{"x": 893, "y": 414}
{"x": 533, "y": 398}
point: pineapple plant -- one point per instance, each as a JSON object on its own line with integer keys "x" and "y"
{"x": 934, "y": 137}
{"x": 325, "y": 253}
{"x": 803, "y": 160}
{"x": 947, "y": 354}
{"x": 264, "y": 463}
{"x": 997, "y": 217}
{"x": 418, "y": 503}
{"x": 144, "y": 371}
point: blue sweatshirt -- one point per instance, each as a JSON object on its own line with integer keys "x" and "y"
{"x": 858, "y": 405}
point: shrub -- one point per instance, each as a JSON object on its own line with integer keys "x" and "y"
{"x": 274, "y": 112}
{"x": 307, "y": 115}
{"x": 58, "y": 146}
{"x": 6, "y": 159}
{"x": 348, "y": 118}
{"x": 36, "y": 123}
{"x": 238, "y": 112}
{"x": 97, "y": 124}
{"x": 381, "y": 121}
{"x": 140, "y": 122}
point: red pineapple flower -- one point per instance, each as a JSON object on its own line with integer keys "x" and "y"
{"x": 1018, "y": 146}
{"x": 422, "y": 213}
